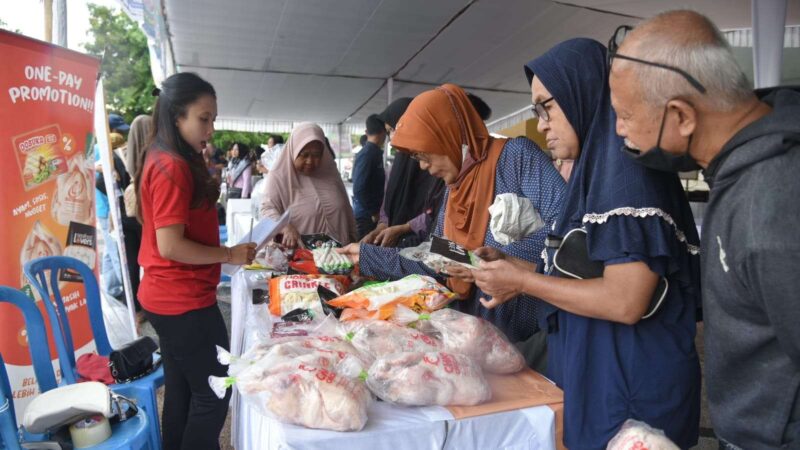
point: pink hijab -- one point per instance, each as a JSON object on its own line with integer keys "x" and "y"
{"x": 319, "y": 201}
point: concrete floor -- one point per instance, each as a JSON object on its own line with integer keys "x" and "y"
{"x": 707, "y": 440}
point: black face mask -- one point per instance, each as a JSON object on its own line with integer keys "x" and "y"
{"x": 659, "y": 159}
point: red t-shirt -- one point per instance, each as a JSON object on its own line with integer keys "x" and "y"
{"x": 170, "y": 287}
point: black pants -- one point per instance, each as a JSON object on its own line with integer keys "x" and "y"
{"x": 364, "y": 225}
{"x": 133, "y": 241}
{"x": 193, "y": 416}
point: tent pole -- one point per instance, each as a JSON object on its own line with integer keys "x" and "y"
{"x": 769, "y": 24}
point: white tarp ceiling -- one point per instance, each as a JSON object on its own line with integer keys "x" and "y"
{"x": 329, "y": 61}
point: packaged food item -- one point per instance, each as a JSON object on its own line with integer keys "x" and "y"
{"x": 469, "y": 335}
{"x": 273, "y": 355}
{"x": 635, "y": 435}
{"x": 41, "y": 155}
{"x": 425, "y": 379}
{"x": 304, "y": 391}
{"x": 329, "y": 261}
{"x": 289, "y": 292}
{"x": 417, "y": 292}
{"x": 302, "y": 263}
{"x": 377, "y": 338}
{"x": 319, "y": 240}
{"x": 438, "y": 253}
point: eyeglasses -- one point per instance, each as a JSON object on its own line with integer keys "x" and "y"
{"x": 616, "y": 41}
{"x": 419, "y": 157}
{"x": 540, "y": 112}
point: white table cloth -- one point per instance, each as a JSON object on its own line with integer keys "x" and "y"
{"x": 389, "y": 427}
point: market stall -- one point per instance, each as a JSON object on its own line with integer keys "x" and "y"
{"x": 524, "y": 413}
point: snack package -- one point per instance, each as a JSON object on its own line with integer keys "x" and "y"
{"x": 302, "y": 392}
{"x": 329, "y": 261}
{"x": 635, "y": 435}
{"x": 377, "y": 338}
{"x": 302, "y": 263}
{"x": 438, "y": 253}
{"x": 289, "y": 292}
{"x": 319, "y": 240}
{"x": 417, "y": 292}
{"x": 426, "y": 379}
{"x": 469, "y": 335}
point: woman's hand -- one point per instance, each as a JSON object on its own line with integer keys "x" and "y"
{"x": 291, "y": 238}
{"x": 370, "y": 238}
{"x": 352, "y": 251}
{"x": 242, "y": 253}
{"x": 389, "y": 236}
{"x": 459, "y": 272}
{"x": 489, "y": 253}
{"x": 501, "y": 279}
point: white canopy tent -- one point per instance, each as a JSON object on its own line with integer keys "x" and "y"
{"x": 275, "y": 62}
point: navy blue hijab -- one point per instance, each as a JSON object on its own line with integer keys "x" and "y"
{"x": 631, "y": 213}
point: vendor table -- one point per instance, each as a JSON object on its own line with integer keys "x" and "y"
{"x": 389, "y": 426}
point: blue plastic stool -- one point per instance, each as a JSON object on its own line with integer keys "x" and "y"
{"x": 132, "y": 434}
{"x": 142, "y": 390}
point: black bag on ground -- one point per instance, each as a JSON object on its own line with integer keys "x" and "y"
{"x": 134, "y": 360}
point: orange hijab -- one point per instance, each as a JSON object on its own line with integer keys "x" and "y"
{"x": 442, "y": 121}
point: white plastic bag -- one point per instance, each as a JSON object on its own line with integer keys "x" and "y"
{"x": 635, "y": 435}
{"x": 378, "y": 338}
{"x": 425, "y": 379}
{"x": 469, "y": 335}
{"x": 512, "y": 218}
{"x": 304, "y": 392}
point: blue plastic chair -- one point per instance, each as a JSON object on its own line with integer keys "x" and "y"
{"x": 132, "y": 434}
{"x": 43, "y": 273}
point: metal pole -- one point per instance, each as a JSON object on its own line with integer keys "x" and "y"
{"x": 62, "y": 22}
{"x": 769, "y": 24}
{"x": 48, "y": 20}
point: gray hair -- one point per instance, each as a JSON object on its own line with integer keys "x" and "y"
{"x": 706, "y": 55}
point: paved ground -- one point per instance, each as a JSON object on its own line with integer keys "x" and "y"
{"x": 707, "y": 441}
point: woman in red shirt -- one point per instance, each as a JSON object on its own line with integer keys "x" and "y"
{"x": 181, "y": 257}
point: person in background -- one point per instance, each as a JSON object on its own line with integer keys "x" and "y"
{"x": 240, "y": 171}
{"x": 612, "y": 362}
{"x": 443, "y": 131}
{"x": 110, "y": 266}
{"x": 369, "y": 177}
{"x": 682, "y": 101}
{"x": 413, "y": 196}
{"x": 305, "y": 180}
{"x": 181, "y": 255}
{"x": 215, "y": 161}
{"x": 138, "y": 139}
{"x": 271, "y": 153}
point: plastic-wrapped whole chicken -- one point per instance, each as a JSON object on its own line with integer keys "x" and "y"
{"x": 270, "y": 357}
{"x": 425, "y": 379}
{"x": 377, "y": 338}
{"x": 469, "y": 335}
{"x": 635, "y": 435}
{"x": 302, "y": 392}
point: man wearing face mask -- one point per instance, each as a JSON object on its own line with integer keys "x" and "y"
{"x": 678, "y": 92}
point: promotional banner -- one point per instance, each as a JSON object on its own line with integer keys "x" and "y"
{"x": 47, "y": 206}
